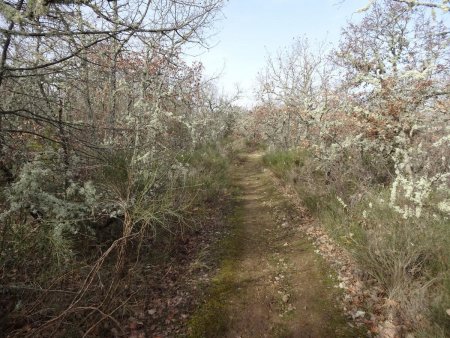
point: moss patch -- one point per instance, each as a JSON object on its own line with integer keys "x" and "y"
{"x": 211, "y": 319}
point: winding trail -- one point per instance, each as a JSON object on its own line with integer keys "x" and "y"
{"x": 282, "y": 287}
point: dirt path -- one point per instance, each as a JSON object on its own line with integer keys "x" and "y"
{"x": 280, "y": 286}
{"x": 285, "y": 288}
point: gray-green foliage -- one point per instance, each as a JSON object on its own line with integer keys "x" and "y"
{"x": 38, "y": 203}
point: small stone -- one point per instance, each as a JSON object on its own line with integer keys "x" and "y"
{"x": 285, "y": 298}
{"x": 291, "y": 307}
{"x": 359, "y": 314}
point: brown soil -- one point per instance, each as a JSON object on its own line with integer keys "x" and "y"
{"x": 280, "y": 286}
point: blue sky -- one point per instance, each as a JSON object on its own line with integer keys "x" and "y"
{"x": 251, "y": 29}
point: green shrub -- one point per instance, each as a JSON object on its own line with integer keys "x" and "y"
{"x": 45, "y": 210}
{"x": 209, "y": 169}
{"x": 283, "y": 161}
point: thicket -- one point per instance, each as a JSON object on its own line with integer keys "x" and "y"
{"x": 362, "y": 133}
{"x": 108, "y": 142}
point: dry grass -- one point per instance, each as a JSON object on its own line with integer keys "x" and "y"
{"x": 410, "y": 258}
{"x": 93, "y": 287}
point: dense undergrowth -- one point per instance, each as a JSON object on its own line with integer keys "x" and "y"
{"x": 88, "y": 276}
{"x": 409, "y": 258}
{"x": 362, "y": 134}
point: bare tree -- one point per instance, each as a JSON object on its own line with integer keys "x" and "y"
{"x": 396, "y": 62}
{"x": 50, "y": 40}
{"x": 296, "y": 81}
